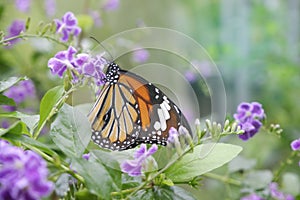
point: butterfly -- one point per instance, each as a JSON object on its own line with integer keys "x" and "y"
{"x": 129, "y": 111}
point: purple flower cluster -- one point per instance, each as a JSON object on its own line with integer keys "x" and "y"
{"x": 15, "y": 29}
{"x": 96, "y": 17}
{"x": 82, "y": 63}
{"x": 252, "y": 196}
{"x": 50, "y": 7}
{"x": 277, "y": 194}
{"x": 24, "y": 6}
{"x": 249, "y": 116}
{"x": 274, "y": 192}
{"x": 19, "y": 93}
{"x": 23, "y": 174}
{"x": 134, "y": 167}
{"x": 67, "y": 26}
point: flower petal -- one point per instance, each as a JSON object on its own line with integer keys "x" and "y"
{"x": 295, "y": 145}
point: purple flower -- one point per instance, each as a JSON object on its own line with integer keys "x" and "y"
{"x": 111, "y": 5}
{"x": 19, "y": 93}
{"x": 50, "y": 7}
{"x": 62, "y": 60}
{"x": 67, "y": 26}
{"x": 5, "y": 124}
{"x": 249, "y": 116}
{"x": 23, "y": 5}
{"x": 23, "y": 174}
{"x": 94, "y": 68}
{"x": 88, "y": 66}
{"x": 173, "y": 135}
{"x": 15, "y": 29}
{"x": 277, "y": 194}
{"x": 96, "y": 17}
{"x": 140, "y": 55}
{"x": 190, "y": 76}
{"x": 295, "y": 145}
{"x": 252, "y": 196}
{"x": 86, "y": 156}
{"x": 204, "y": 67}
{"x": 134, "y": 167}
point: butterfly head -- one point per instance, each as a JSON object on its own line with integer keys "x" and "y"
{"x": 112, "y": 73}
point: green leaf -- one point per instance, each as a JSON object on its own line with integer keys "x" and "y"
{"x": 62, "y": 185}
{"x": 166, "y": 193}
{"x": 17, "y": 128}
{"x": 241, "y": 163}
{"x": 97, "y": 178}
{"x": 71, "y": 131}
{"x": 41, "y": 146}
{"x": 48, "y": 102}
{"x": 111, "y": 165}
{"x": 30, "y": 120}
{"x": 258, "y": 179}
{"x": 4, "y": 100}
{"x": 193, "y": 164}
{"x": 4, "y": 85}
{"x": 85, "y": 194}
{"x": 291, "y": 183}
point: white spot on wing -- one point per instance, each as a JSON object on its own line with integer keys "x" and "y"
{"x": 165, "y": 111}
{"x": 163, "y": 124}
{"x": 166, "y": 99}
{"x": 177, "y": 110}
{"x": 167, "y": 105}
{"x": 156, "y": 125}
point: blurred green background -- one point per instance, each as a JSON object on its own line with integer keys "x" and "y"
{"x": 255, "y": 45}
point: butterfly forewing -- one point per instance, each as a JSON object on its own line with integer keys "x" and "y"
{"x": 130, "y": 111}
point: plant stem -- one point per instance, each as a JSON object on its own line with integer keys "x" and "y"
{"x": 122, "y": 192}
{"x": 33, "y": 36}
{"x": 53, "y": 111}
{"x": 224, "y": 179}
{"x": 160, "y": 172}
{"x": 283, "y": 164}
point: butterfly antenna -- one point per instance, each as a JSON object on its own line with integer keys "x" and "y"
{"x": 93, "y": 38}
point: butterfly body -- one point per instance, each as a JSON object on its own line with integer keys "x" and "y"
{"x": 130, "y": 111}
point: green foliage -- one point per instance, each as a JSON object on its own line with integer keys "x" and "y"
{"x": 70, "y": 131}
{"x": 4, "y": 100}
{"x": 16, "y": 129}
{"x": 258, "y": 179}
{"x": 4, "y": 85}
{"x": 99, "y": 179}
{"x": 168, "y": 193}
{"x": 49, "y": 104}
{"x": 204, "y": 158}
{"x": 30, "y": 120}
